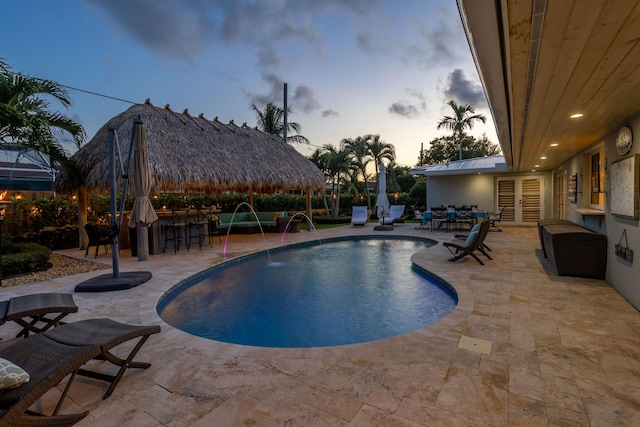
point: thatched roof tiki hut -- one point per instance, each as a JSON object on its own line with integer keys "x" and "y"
{"x": 194, "y": 154}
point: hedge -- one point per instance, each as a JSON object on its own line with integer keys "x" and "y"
{"x": 24, "y": 258}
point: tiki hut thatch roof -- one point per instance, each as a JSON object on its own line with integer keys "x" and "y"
{"x": 189, "y": 153}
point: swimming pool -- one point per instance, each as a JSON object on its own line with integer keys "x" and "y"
{"x": 340, "y": 291}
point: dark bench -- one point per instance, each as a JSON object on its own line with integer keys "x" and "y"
{"x": 574, "y": 250}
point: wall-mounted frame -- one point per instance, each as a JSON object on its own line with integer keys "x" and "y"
{"x": 573, "y": 188}
{"x": 624, "y": 177}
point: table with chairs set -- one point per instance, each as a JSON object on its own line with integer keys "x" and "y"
{"x": 453, "y": 217}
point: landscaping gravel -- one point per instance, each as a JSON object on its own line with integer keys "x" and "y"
{"x": 61, "y": 265}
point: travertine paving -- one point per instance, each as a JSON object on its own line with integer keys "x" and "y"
{"x": 524, "y": 347}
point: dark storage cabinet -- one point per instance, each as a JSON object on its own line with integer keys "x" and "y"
{"x": 574, "y": 250}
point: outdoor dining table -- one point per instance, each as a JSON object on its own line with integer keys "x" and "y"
{"x": 450, "y": 216}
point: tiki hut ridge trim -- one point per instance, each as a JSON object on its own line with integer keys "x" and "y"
{"x": 193, "y": 154}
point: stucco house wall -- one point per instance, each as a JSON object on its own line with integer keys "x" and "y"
{"x": 478, "y": 189}
{"x": 461, "y": 190}
{"x": 621, "y": 274}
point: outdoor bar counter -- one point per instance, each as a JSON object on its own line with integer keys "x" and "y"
{"x": 156, "y": 231}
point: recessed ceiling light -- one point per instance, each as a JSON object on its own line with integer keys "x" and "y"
{"x": 543, "y": 157}
{"x": 576, "y": 115}
{"x": 533, "y": 170}
{"x": 555, "y": 144}
{"x": 536, "y": 166}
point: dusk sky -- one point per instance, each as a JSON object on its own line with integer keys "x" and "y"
{"x": 353, "y": 67}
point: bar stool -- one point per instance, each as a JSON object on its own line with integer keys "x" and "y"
{"x": 212, "y": 228}
{"x": 172, "y": 230}
{"x": 198, "y": 223}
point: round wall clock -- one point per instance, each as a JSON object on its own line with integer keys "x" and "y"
{"x": 624, "y": 140}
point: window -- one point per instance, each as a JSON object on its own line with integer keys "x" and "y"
{"x": 597, "y": 180}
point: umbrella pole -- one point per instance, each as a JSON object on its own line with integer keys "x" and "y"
{"x": 116, "y": 281}
{"x": 112, "y": 195}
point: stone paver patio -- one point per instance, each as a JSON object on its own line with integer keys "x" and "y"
{"x": 523, "y": 347}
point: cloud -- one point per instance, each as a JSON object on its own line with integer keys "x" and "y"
{"x": 442, "y": 40}
{"x": 410, "y": 109}
{"x": 463, "y": 90}
{"x": 186, "y": 28}
{"x": 404, "y": 109}
{"x": 302, "y": 98}
{"x": 429, "y": 39}
{"x": 329, "y": 113}
{"x": 276, "y": 91}
{"x": 165, "y": 27}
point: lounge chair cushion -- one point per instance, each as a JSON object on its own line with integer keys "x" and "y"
{"x": 471, "y": 239}
{"x": 11, "y": 375}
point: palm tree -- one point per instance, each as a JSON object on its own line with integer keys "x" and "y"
{"x": 464, "y": 117}
{"x": 271, "y": 121}
{"x": 320, "y": 158}
{"x": 359, "y": 153}
{"x": 338, "y": 163}
{"x": 380, "y": 150}
{"x": 26, "y": 119}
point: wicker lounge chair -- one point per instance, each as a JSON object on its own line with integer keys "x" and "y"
{"x": 37, "y": 312}
{"x": 47, "y": 363}
{"x": 473, "y": 243}
{"x": 107, "y": 334}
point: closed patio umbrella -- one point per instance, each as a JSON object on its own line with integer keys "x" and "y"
{"x": 142, "y": 213}
{"x": 382, "y": 201}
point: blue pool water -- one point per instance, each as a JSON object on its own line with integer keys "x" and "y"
{"x": 337, "y": 292}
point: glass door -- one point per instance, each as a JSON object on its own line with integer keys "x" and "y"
{"x": 560, "y": 195}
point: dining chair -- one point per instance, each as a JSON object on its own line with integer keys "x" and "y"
{"x": 437, "y": 217}
{"x": 464, "y": 217}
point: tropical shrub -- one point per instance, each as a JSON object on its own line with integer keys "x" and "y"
{"x": 19, "y": 258}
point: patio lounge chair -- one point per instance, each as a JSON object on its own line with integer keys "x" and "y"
{"x": 47, "y": 363}
{"x": 474, "y": 228}
{"x": 107, "y": 334}
{"x": 396, "y": 213}
{"x": 473, "y": 243}
{"x": 37, "y": 312}
{"x": 359, "y": 215}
